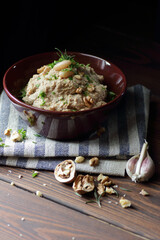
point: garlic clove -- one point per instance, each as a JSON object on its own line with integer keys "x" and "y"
{"x": 147, "y": 168}
{"x": 140, "y": 167}
{"x": 131, "y": 165}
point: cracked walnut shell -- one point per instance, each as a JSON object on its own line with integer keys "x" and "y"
{"x": 65, "y": 171}
{"x": 83, "y": 184}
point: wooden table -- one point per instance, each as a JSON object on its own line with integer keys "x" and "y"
{"x": 60, "y": 213}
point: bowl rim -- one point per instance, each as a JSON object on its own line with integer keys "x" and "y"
{"x": 44, "y": 111}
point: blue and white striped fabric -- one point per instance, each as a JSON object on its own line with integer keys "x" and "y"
{"x": 126, "y": 129}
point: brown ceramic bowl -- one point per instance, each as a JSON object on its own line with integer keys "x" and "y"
{"x": 62, "y": 125}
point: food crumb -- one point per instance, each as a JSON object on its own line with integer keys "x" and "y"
{"x": 125, "y": 203}
{"x": 94, "y": 161}
{"x": 22, "y": 219}
{"x": 16, "y": 136}
{"x": 79, "y": 159}
{"x": 7, "y": 132}
{"x": 100, "y": 131}
{"x": 144, "y": 193}
{"x": 38, "y": 193}
{"x": 115, "y": 186}
{"x": 110, "y": 190}
{"x": 12, "y": 184}
{"x": 20, "y": 176}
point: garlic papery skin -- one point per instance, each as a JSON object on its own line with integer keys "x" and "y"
{"x": 140, "y": 168}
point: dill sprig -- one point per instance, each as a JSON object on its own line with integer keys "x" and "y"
{"x": 64, "y": 56}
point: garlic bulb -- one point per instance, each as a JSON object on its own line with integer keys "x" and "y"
{"x": 140, "y": 168}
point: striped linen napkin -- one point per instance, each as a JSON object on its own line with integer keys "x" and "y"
{"x": 125, "y": 131}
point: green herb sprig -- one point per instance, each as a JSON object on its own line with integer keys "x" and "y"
{"x": 64, "y": 56}
{"x": 42, "y": 95}
{"x": 3, "y": 145}
{"x": 23, "y": 133}
{"x": 35, "y": 174}
{"x": 110, "y": 96}
{"x": 125, "y": 189}
{"x": 22, "y": 93}
{"x": 97, "y": 198}
{"x": 37, "y": 135}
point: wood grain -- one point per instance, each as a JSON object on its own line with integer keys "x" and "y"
{"x": 47, "y": 220}
{"x": 142, "y": 218}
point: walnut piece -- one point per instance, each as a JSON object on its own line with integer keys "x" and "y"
{"x": 79, "y": 77}
{"x": 105, "y": 180}
{"x": 88, "y": 101}
{"x": 39, "y": 194}
{"x": 90, "y": 88}
{"x": 79, "y": 159}
{"x": 79, "y": 90}
{"x": 45, "y": 69}
{"x": 94, "y": 161}
{"x": 125, "y": 203}
{"x": 65, "y": 171}
{"x": 39, "y": 70}
{"x": 144, "y": 193}
{"x": 16, "y": 136}
{"x": 30, "y": 117}
{"x": 110, "y": 190}
{"x": 101, "y": 189}
{"x": 83, "y": 184}
{"x": 7, "y": 132}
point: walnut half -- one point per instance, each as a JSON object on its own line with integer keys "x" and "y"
{"x": 83, "y": 184}
{"x": 65, "y": 171}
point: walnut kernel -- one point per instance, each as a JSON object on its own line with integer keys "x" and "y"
{"x": 125, "y": 203}
{"x": 88, "y": 101}
{"x": 101, "y": 189}
{"x": 110, "y": 190}
{"x": 94, "y": 161}
{"x": 79, "y": 90}
{"x": 7, "y": 132}
{"x": 79, "y": 159}
{"x": 144, "y": 193}
{"x": 83, "y": 184}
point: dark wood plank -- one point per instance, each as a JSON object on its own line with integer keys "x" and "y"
{"x": 142, "y": 218}
{"x": 46, "y": 220}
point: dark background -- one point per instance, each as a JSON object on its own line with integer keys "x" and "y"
{"x": 98, "y": 27}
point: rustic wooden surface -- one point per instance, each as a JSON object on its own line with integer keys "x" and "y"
{"x": 60, "y": 213}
